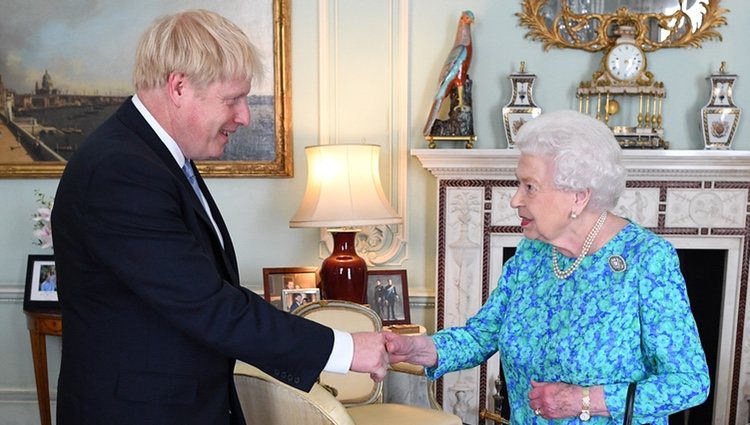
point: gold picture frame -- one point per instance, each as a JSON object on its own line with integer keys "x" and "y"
{"x": 276, "y": 280}
{"x": 280, "y": 165}
{"x": 293, "y": 299}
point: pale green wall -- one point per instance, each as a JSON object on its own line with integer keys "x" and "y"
{"x": 257, "y": 210}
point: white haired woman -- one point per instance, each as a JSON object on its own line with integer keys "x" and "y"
{"x": 590, "y": 301}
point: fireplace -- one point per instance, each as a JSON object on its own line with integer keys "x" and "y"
{"x": 704, "y": 277}
{"x": 698, "y": 200}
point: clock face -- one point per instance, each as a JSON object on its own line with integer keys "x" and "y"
{"x": 625, "y": 61}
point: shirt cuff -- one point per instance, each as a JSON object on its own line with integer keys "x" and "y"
{"x": 342, "y": 353}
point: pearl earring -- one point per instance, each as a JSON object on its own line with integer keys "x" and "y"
{"x": 573, "y": 215}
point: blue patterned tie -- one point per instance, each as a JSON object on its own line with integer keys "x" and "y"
{"x": 188, "y": 170}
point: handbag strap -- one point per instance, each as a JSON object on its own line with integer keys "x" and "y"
{"x": 629, "y": 401}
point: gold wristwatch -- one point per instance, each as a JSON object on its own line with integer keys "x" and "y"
{"x": 585, "y": 405}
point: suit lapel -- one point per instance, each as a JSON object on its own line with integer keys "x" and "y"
{"x": 228, "y": 254}
{"x": 131, "y": 118}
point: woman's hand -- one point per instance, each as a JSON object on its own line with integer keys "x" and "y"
{"x": 419, "y": 350}
{"x": 555, "y": 400}
{"x": 558, "y": 400}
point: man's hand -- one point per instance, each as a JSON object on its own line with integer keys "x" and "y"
{"x": 419, "y": 350}
{"x": 370, "y": 355}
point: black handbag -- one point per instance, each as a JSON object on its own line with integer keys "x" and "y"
{"x": 629, "y": 401}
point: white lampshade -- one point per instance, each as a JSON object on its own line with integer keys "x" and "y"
{"x": 343, "y": 188}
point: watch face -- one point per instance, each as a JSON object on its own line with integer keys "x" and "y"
{"x": 625, "y": 61}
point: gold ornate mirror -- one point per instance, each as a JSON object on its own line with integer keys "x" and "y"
{"x": 590, "y": 24}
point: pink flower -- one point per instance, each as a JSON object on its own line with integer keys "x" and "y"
{"x": 44, "y": 236}
{"x": 42, "y": 223}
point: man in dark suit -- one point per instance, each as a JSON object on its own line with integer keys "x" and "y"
{"x": 153, "y": 312}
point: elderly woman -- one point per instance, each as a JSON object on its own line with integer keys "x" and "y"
{"x": 590, "y": 301}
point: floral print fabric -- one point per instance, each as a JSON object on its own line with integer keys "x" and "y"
{"x": 601, "y": 326}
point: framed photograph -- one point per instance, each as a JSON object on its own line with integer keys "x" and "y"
{"x": 278, "y": 279}
{"x": 293, "y": 298}
{"x": 388, "y": 295}
{"x": 41, "y": 284}
{"x": 62, "y": 81}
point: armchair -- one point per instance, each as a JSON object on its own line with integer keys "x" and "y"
{"x": 358, "y": 401}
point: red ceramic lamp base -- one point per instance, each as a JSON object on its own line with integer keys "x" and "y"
{"x": 343, "y": 275}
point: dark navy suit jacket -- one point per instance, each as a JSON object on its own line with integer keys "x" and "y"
{"x": 153, "y": 312}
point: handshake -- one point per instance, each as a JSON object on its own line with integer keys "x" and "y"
{"x": 375, "y": 351}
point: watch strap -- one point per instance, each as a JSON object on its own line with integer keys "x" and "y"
{"x": 585, "y": 404}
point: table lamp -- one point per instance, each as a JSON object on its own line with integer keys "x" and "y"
{"x": 343, "y": 193}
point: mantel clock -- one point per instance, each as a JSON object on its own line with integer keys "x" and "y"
{"x": 622, "y": 90}
{"x": 625, "y": 95}
{"x": 625, "y": 61}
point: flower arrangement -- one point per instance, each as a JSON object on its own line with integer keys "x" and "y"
{"x": 41, "y": 218}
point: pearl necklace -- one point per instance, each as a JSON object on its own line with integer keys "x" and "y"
{"x": 586, "y": 247}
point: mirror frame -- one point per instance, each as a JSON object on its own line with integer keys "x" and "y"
{"x": 532, "y": 18}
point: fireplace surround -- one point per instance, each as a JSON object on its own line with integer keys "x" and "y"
{"x": 695, "y": 199}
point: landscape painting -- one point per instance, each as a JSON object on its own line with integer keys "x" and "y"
{"x": 65, "y": 66}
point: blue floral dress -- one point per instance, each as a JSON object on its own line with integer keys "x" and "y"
{"x": 600, "y": 326}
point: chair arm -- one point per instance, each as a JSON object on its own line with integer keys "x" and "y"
{"x": 409, "y": 368}
{"x": 492, "y": 416}
{"x": 266, "y": 400}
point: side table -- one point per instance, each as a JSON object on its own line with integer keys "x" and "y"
{"x": 41, "y": 324}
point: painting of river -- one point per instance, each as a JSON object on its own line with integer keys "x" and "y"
{"x": 63, "y": 129}
{"x": 67, "y": 66}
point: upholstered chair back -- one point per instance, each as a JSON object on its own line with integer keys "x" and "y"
{"x": 353, "y": 388}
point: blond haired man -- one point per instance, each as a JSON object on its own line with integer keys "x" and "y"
{"x": 153, "y": 312}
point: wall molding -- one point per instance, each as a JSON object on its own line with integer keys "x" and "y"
{"x": 13, "y": 395}
{"x": 11, "y": 293}
{"x": 378, "y": 245}
{"x": 422, "y": 301}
